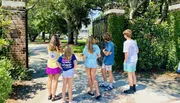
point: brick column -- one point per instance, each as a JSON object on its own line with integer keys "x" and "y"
{"x": 18, "y": 48}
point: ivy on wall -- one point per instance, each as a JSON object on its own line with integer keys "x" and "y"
{"x": 115, "y": 28}
{"x": 174, "y": 22}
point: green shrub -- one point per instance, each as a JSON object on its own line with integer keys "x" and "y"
{"x": 157, "y": 42}
{"x": 115, "y": 28}
{"x": 5, "y": 80}
{"x": 19, "y": 72}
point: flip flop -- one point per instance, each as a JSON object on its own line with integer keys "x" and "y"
{"x": 50, "y": 97}
{"x": 92, "y": 94}
{"x": 56, "y": 98}
{"x": 98, "y": 97}
{"x": 102, "y": 85}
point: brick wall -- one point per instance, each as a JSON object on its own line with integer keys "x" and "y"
{"x": 18, "y": 30}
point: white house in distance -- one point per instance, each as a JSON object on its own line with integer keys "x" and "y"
{"x": 85, "y": 31}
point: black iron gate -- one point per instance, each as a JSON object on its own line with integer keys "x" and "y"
{"x": 99, "y": 28}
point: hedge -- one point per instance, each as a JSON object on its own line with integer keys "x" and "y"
{"x": 115, "y": 28}
{"x": 174, "y": 23}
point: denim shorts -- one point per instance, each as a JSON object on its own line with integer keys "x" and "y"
{"x": 68, "y": 73}
{"x": 130, "y": 67}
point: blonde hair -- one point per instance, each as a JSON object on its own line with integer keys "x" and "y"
{"x": 68, "y": 52}
{"x": 128, "y": 33}
{"x": 90, "y": 41}
{"x": 107, "y": 36}
{"x": 54, "y": 43}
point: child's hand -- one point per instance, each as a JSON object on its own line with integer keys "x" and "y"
{"x": 104, "y": 50}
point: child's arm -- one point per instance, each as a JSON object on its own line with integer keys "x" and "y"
{"x": 99, "y": 55}
{"x": 98, "y": 51}
{"x": 84, "y": 57}
{"x": 75, "y": 64}
{"x": 126, "y": 56}
{"x": 106, "y": 53}
{"x": 125, "y": 50}
{"x": 59, "y": 65}
{"x": 60, "y": 49}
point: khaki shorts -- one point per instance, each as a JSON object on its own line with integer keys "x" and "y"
{"x": 107, "y": 67}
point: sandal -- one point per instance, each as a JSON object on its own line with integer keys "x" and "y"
{"x": 50, "y": 97}
{"x": 102, "y": 85}
{"x": 90, "y": 93}
{"x": 56, "y": 98}
{"x": 98, "y": 97}
{"x": 108, "y": 88}
{"x": 73, "y": 102}
{"x": 63, "y": 101}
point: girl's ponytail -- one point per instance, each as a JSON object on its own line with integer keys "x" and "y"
{"x": 90, "y": 44}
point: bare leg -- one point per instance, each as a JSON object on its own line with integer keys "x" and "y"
{"x": 93, "y": 76}
{"x": 55, "y": 84}
{"x": 103, "y": 71}
{"x": 134, "y": 78}
{"x": 70, "y": 82}
{"x": 110, "y": 76}
{"x": 49, "y": 84}
{"x": 88, "y": 71}
{"x": 64, "y": 89}
{"x": 130, "y": 78}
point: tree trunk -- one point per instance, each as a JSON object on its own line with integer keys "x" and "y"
{"x": 131, "y": 15}
{"x": 33, "y": 37}
{"x": 76, "y": 37}
{"x": 71, "y": 38}
{"x": 43, "y": 36}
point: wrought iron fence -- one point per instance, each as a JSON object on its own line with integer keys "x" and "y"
{"x": 99, "y": 28}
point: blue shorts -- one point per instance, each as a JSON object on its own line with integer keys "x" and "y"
{"x": 130, "y": 67}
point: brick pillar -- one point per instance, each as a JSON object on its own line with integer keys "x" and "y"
{"x": 18, "y": 48}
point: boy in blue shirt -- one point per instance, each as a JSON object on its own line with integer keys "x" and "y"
{"x": 108, "y": 61}
{"x": 130, "y": 50}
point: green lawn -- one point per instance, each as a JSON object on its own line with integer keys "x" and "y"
{"x": 79, "y": 41}
{"x": 77, "y": 48}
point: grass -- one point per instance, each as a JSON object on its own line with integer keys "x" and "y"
{"x": 77, "y": 48}
{"x": 79, "y": 41}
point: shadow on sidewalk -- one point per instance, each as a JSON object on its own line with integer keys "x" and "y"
{"x": 23, "y": 91}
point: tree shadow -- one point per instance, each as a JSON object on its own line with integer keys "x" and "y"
{"x": 140, "y": 87}
{"x": 24, "y": 91}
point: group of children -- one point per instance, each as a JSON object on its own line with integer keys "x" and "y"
{"x": 67, "y": 63}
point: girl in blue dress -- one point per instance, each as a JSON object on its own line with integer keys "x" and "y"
{"x": 91, "y": 54}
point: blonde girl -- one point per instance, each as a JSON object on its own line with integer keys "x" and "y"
{"x": 52, "y": 69}
{"x": 91, "y": 54}
{"x": 68, "y": 63}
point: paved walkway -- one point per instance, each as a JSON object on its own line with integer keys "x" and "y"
{"x": 151, "y": 90}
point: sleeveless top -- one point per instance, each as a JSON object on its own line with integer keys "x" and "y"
{"x": 52, "y": 58}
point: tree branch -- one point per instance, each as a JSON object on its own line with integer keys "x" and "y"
{"x": 31, "y": 7}
{"x": 133, "y": 11}
{"x": 140, "y": 5}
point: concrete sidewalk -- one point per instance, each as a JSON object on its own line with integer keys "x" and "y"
{"x": 159, "y": 90}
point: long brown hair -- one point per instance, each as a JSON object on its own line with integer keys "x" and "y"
{"x": 90, "y": 41}
{"x": 54, "y": 43}
{"x": 68, "y": 52}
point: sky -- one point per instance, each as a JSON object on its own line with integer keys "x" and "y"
{"x": 94, "y": 14}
